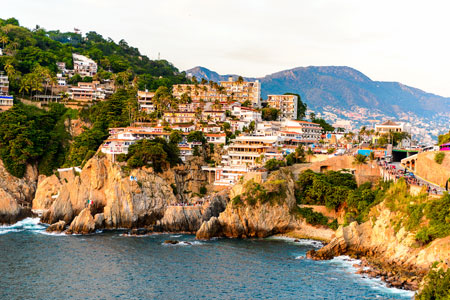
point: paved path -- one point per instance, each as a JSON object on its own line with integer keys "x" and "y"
{"x": 402, "y": 172}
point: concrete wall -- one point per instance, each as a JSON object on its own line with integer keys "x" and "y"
{"x": 363, "y": 173}
{"x": 429, "y": 170}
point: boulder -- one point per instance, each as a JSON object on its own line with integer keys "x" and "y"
{"x": 56, "y": 227}
{"x": 83, "y": 223}
{"x": 99, "y": 220}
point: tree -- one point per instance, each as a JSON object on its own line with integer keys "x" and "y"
{"x": 196, "y": 136}
{"x": 310, "y": 154}
{"x": 274, "y": 164}
{"x": 240, "y": 80}
{"x": 270, "y": 114}
{"x": 4, "y": 39}
{"x": 360, "y": 159}
{"x": 162, "y": 99}
{"x": 176, "y": 137}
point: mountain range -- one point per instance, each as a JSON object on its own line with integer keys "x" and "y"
{"x": 344, "y": 88}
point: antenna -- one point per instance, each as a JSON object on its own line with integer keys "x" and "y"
{"x": 159, "y": 56}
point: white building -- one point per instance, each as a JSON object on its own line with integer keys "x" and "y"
{"x": 84, "y": 66}
{"x": 306, "y": 131}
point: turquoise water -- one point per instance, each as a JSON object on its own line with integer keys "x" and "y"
{"x": 108, "y": 265}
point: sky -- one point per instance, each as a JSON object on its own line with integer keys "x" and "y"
{"x": 405, "y": 41}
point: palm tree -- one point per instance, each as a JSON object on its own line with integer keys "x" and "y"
{"x": 4, "y": 39}
{"x": 310, "y": 154}
{"x": 360, "y": 159}
{"x": 240, "y": 80}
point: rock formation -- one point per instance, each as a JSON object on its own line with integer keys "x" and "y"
{"x": 16, "y": 194}
{"x": 83, "y": 223}
{"x": 386, "y": 248}
{"x": 261, "y": 219}
{"x": 113, "y": 199}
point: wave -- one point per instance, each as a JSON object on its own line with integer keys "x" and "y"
{"x": 184, "y": 243}
{"x": 375, "y": 283}
{"x": 28, "y": 224}
{"x": 303, "y": 242}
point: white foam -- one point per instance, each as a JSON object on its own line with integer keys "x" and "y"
{"x": 305, "y": 242}
{"x": 184, "y": 243}
{"x": 375, "y": 283}
{"x": 28, "y": 224}
{"x": 177, "y": 235}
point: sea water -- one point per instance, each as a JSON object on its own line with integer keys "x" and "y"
{"x": 111, "y": 265}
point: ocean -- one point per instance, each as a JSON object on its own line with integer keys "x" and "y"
{"x": 110, "y": 265}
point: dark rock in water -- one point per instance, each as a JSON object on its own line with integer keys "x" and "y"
{"x": 139, "y": 231}
{"x": 296, "y": 241}
{"x": 171, "y": 242}
{"x": 56, "y": 227}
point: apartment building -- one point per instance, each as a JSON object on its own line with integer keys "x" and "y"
{"x": 83, "y": 65}
{"x": 145, "y": 100}
{"x": 173, "y": 117}
{"x": 215, "y": 116}
{"x": 286, "y": 104}
{"x": 242, "y": 91}
{"x": 225, "y": 91}
{"x": 251, "y": 151}
{"x": 246, "y": 114}
{"x": 6, "y": 101}
{"x": 306, "y": 132}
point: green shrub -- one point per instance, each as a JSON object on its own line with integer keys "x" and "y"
{"x": 236, "y": 201}
{"x": 312, "y": 217}
{"x": 203, "y": 190}
{"x": 439, "y": 157}
{"x": 274, "y": 164}
{"x": 437, "y": 286}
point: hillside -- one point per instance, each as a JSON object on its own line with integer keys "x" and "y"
{"x": 344, "y": 88}
{"x": 26, "y": 50}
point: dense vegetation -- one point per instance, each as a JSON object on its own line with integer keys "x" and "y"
{"x": 271, "y": 191}
{"x": 116, "y": 112}
{"x": 325, "y": 126}
{"x": 337, "y": 189}
{"x": 437, "y": 286}
{"x": 270, "y": 114}
{"x": 157, "y": 153}
{"x": 444, "y": 138}
{"x": 32, "y": 56}
{"x": 29, "y": 135}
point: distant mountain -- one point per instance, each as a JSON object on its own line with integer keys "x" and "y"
{"x": 344, "y": 88}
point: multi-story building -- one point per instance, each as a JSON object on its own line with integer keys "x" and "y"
{"x": 243, "y": 90}
{"x": 6, "y": 101}
{"x": 83, "y": 65}
{"x": 230, "y": 91}
{"x": 246, "y": 114}
{"x": 251, "y": 151}
{"x": 391, "y": 126}
{"x": 286, "y": 104}
{"x": 215, "y": 116}
{"x": 173, "y": 117}
{"x": 306, "y": 132}
{"x": 145, "y": 100}
{"x": 83, "y": 92}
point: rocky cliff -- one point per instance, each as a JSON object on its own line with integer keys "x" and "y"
{"x": 16, "y": 194}
{"x": 260, "y": 208}
{"x": 392, "y": 251}
{"x": 104, "y": 196}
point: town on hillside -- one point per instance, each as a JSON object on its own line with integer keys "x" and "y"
{"x": 245, "y": 132}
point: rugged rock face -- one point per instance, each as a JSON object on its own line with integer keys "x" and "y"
{"x": 16, "y": 194}
{"x": 83, "y": 223}
{"x": 124, "y": 202}
{"x": 260, "y": 219}
{"x": 190, "y": 218}
{"x": 115, "y": 200}
{"x": 56, "y": 227}
{"x": 386, "y": 248}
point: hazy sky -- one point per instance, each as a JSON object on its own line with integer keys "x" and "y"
{"x": 406, "y": 41}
